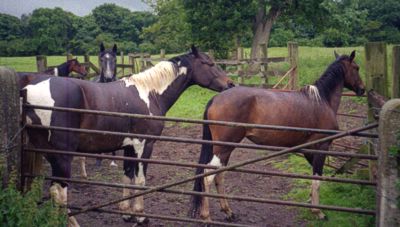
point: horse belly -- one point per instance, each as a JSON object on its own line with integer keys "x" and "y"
{"x": 99, "y": 143}
{"x": 277, "y": 138}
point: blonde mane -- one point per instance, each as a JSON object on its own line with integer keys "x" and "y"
{"x": 312, "y": 92}
{"x": 157, "y": 78}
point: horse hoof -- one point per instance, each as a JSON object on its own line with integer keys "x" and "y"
{"x": 142, "y": 221}
{"x": 232, "y": 218}
{"x": 129, "y": 218}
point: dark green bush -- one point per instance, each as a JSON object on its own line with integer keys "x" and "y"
{"x": 24, "y": 210}
{"x": 335, "y": 38}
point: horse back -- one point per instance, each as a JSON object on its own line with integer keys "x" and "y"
{"x": 261, "y": 106}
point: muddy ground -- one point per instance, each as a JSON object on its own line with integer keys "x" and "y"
{"x": 253, "y": 214}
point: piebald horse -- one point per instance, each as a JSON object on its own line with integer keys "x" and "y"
{"x": 314, "y": 106}
{"x": 151, "y": 92}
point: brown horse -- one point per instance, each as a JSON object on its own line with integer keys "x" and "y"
{"x": 314, "y": 106}
{"x": 62, "y": 70}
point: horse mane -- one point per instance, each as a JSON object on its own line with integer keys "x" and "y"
{"x": 157, "y": 78}
{"x": 323, "y": 87}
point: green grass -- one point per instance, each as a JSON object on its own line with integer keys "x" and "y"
{"x": 331, "y": 193}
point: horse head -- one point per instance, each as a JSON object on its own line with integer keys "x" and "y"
{"x": 108, "y": 64}
{"x": 75, "y": 66}
{"x": 207, "y": 74}
{"x": 352, "y": 79}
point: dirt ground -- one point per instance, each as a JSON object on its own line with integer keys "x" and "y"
{"x": 252, "y": 214}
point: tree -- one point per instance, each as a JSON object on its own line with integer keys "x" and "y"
{"x": 170, "y": 31}
{"x": 51, "y": 30}
{"x": 10, "y": 27}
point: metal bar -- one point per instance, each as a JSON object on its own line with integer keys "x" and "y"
{"x": 343, "y": 94}
{"x": 165, "y": 217}
{"x": 214, "y": 195}
{"x": 352, "y": 115}
{"x": 195, "y": 165}
{"x": 222, "y": 169}
{"x": 186, "y": 120}
{"x": 195, "y": 141}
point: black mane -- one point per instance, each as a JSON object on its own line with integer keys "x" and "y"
{"x": 330, "y": 79}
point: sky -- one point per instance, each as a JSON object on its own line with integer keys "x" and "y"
{"x": 77, "y": 7}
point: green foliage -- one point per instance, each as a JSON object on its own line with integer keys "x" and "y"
{"x": 335, "y": 38}
{"x": 331, "y": 193}
{"x": 169, "y": 32}
{"x": 23, "y": 210}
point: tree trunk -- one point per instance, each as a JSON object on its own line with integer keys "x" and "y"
{"x": 262, "y": 29}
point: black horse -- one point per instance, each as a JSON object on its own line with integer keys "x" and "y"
{"x": 108, "y": 73}
{"x": 151, "y": 92}
{"x": 108, "y": 65}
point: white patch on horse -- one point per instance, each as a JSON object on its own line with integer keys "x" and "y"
{"x": 215, "y": 161}
{"x": 156, "y": 79}
{"x": 108, "y": 73}
{"x": 39, "y": 94}
{"x": 139, "y": 148}
{"x": 312, "y": 91}
{"x": 182, "y": 70}
{"x": 56, "y": 71}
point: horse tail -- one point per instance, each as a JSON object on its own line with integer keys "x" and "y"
{"x": 205, "y": 157}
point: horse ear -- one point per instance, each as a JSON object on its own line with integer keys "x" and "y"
{"x": 195, "y": 52}
{"x": 352, "y": 55}
{"x": 102, "y": 47}
{"x": 114, "y": 48}
{"x": 336, "y": 54}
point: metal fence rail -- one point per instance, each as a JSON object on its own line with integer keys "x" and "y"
{"x": 195, "y": 165}
{"x": 186, "y": 120}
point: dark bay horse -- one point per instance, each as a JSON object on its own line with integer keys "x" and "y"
{"x": 66, "y": 68}
{"x": 314, "y": 106}
{"x": 151, "y": 92}
{"x": 108, "y": 73}
{"x": 63, "y": 70}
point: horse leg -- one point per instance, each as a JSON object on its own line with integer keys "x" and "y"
{"x": 61, "y": 167}
{"x": 129, "y": 172}
{"x": 112, "y": 161}
{"x": 219, "y": 184}
{"x": 317, "y": 164}
{"x": 82, "y": 161}
{"x": 220, "y": 157}
{"x": 143, "y": 150}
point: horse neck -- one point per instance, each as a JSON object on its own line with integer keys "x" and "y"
{"x": 173, "y": 92}
{"x": 63, "y": 70}
{"x": 330, "y": 85}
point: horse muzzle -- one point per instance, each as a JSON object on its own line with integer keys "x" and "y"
{"x": 360, "y": 91}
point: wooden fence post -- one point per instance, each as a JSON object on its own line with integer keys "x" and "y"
{"x": 86, "y": 59}
{"x": 132, "y": 63}
{"x": 376, "y": 79}
{"x": 122, "y": 62}
{"x": 9, "y": 127}
{"x": 388, "y": 191}
{"x": 396, "y": 72}
{"x": 69, "y": 56}
{"x": 162, "y": 54}
{"x": 41, "y": 63}
{"x": 263, "y": 66}
{"x": 211, "y": 54}
{"x": 293, "y": 55}
{"x": 240, "y": 69}
{"x": 376, "y": 67}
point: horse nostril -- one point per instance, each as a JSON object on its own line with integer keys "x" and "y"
{"x": 231, "y": 85}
